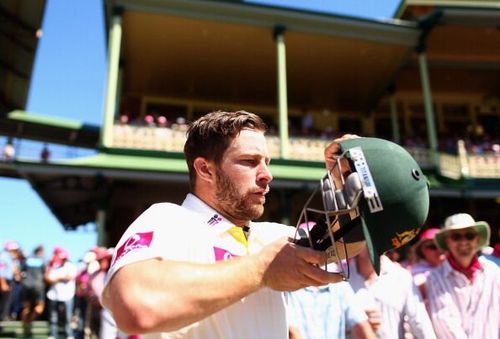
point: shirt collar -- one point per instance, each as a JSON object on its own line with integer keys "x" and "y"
{"x": 469, "y": 273}
{"x": 449, "y": 270}
{"x": 386, "y": 265}
{"x": 214, "y": 219}
{"x": 323, "y": 288}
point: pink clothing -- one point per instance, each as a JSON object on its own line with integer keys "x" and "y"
{"x": 420, "y": 271}
{"x": 96, "y": 284}
{"x": 469, "y": 271}
{"x": 82, "y": 281}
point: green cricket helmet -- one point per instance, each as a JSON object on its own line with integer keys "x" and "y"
{"x": 375, "y": 193}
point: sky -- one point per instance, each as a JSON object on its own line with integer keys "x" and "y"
{"x": 373, "y": 9}
{"x": 68, "y": 82}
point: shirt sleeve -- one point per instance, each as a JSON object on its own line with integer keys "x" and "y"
{"x": 164, "y": 231}
{"x": 416, "y": 312}
{"x": 71, "y": 269}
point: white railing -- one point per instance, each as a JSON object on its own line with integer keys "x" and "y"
{"x": 309, "y": 149}
{"x": 484, "y": 166}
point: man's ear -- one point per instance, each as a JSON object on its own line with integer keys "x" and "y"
{"x": 204, "y": 169}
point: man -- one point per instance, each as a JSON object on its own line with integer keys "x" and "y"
{"x": 61, "y": 276}
{"x": 6, "y": 277}
{"x": 33, "y": 282}
{"x": 163, "y": 276}
{"x": 102, "y": 324}
{"x": 389, "y": 298}
{"x": 8, "y": 152}
{"x": 204, "y": 269}
{"x": 328, "y": 311}
{"x": 464, "y": 292}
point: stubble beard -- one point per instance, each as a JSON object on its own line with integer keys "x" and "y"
{"x": 233, "y": 203}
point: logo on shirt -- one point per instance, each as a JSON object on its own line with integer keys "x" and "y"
{"x": 136, "y": 241}
{"x": 223, "y": 254}
{"x": 214, "y": 220}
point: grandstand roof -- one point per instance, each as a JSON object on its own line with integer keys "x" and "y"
{"x": 185, "y": 48}
{"x": 20, "y": 23}
{"x": 461, "y": 49}
{"x": 197, "y": 48}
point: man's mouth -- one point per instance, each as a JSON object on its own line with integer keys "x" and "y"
{"x": 260, "y": 195}
{"x": 261, "y": 192}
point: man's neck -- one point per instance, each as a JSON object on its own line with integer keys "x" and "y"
{"x": 210, "y": 201}
{"x": 463, "y": 262}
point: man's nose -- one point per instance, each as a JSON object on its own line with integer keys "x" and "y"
{"x": 264, "y": 174}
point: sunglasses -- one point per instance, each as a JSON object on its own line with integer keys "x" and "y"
{"x": 430, "y": 247}
{"x": 460, "y": 236}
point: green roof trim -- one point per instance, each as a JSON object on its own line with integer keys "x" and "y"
{"x": 24, "y": 125}
{"x": 129, "y": 165}
{"x": 280, "y": 169}
{"x": 178, "y": 165}
{"x": 146, "y": 153}
{"x": 297, "y": 172}
{"x": 116, "y": 161}
{"x": 24, "y": 116}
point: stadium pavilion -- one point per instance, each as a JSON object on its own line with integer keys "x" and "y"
{"x": 428, "y": 78}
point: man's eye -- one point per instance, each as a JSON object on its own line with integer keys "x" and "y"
{"x": 249, "y": 161}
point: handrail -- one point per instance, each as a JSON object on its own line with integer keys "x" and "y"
{"x": 311, "y": 149}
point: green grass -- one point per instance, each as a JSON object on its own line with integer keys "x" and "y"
{"x": 14, "y": 329}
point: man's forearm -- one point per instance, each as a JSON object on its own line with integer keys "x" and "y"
{"x": 162, "y": 296}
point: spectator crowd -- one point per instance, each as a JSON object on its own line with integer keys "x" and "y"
{"x": 55, "y": 289}
{"x": 400, "y": 302}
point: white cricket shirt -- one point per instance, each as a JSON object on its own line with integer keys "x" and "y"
{"x": 195, "y": 232}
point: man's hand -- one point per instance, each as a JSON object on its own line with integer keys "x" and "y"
{"x": 4, "y": 285}
{"x": 333, "y": 148}
{"x": 288, "y": 267}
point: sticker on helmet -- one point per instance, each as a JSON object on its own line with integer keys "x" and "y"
{"x": 369, "y": 189}
{"x": 404, "y": 237}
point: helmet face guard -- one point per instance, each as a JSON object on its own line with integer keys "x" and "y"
{"x": 326, "y": 225}
{"x": 375, "y": 194}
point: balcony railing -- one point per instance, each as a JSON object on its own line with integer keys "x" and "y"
{"x": 311, "y": 149}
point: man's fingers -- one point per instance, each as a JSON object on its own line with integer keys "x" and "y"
{"x": 332, "y": 150}
{"x": 317, "y": 276}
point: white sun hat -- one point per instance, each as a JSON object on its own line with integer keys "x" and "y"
{"x": 460, "y": 221}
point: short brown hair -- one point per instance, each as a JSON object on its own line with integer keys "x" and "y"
{"x": 210, "y": 136}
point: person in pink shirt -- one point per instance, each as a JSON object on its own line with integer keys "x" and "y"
{"x": 463, "y": 292}
{"x": 95, "y": 287}
{"x": 429, "y": 256}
